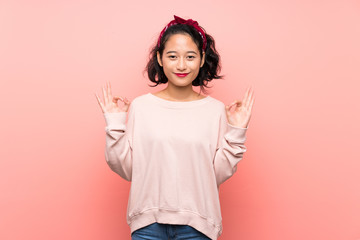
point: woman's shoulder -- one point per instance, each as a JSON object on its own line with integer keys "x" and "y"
{"x": 217, "y": 102}
{"x": 140, "y": 98}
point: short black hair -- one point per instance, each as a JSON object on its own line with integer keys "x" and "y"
{"x": 207, "y": 72}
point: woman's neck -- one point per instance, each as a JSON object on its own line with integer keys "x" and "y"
{"x": 179, "y": 94}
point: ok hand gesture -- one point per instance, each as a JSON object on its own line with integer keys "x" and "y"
{"x": 240, "y": 117}
{"x": 110, "y": 105}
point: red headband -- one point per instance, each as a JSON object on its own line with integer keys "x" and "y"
{"x": 190, "y": 22}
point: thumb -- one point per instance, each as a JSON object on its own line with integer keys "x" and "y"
{"x": 227, "y": 110}
{"x": 126, "y": 101}
{"x": 116, "y": 98}
{"x": 227, "y": 107}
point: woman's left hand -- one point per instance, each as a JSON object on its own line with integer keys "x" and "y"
{"x": 240, "y": 117}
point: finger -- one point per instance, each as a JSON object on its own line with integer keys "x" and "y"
{"x": 115, "y": 99}
{"x": 251, "y": 96}
{"x": 99, "y": 101}
{"x": 230, "y": 105}
{"x": 97, "y": 98}
{"x": 126, "y": 101}
{"x": 110, "y": 97}
{"x": 122, "y": 99}
{"x": 109, "y": 90}
{"x": 246, "y": 97}
{"x": 252, "y": 103}
{"x": 227, "y": 110}
{"x": 237, "y": 104}
{"x": 106, "y": 99}
{"x": 248, "y": 100}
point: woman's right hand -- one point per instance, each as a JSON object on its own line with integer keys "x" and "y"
{"x": 110, "y": 104}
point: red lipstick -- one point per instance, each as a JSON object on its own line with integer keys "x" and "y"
{"x": 181, "y": 74}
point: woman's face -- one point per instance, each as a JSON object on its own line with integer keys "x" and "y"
{"x": 180, "y": 55}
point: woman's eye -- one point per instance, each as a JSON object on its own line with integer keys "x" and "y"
{"x": 173, "y": 57}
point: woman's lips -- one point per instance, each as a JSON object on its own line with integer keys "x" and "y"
{"x": 181, "y": 74}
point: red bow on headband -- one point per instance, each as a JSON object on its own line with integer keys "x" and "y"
{"x": 179, "y": 20}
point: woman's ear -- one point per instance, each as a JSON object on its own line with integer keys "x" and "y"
{"x": 158, "y": 58}
{"x": 203, "y": 59}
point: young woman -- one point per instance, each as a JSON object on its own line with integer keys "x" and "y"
{"x": 177, "y": 146}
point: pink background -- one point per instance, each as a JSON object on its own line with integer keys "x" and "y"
{"x": 300, "y": 176}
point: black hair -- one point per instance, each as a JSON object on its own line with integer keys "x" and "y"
{"x": 207, "y": 72}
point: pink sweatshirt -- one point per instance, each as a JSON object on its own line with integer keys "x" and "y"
{"x": 176, "y": 155}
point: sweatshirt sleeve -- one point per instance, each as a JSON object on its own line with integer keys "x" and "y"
{"x": 118, "y": 147}
{"x": 230, "y": 149}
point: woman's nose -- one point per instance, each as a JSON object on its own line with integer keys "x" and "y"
{"x": 181, "y": 65}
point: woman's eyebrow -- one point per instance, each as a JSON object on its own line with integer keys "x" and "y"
{"x": 175, "y": 52}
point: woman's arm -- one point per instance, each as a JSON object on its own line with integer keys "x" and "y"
{"x": 233, "y": 126}
{"x": 118, "y": 148}
{"x": 229, "y": 151}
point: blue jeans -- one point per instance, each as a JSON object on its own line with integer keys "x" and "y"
{"x": 160, "y": 231}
